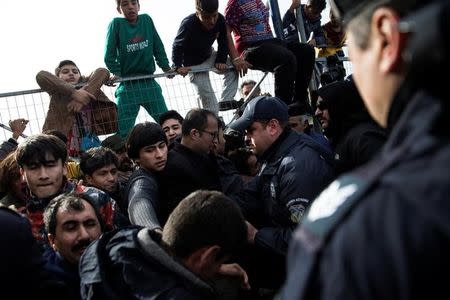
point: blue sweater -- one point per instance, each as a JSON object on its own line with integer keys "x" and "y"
{"x": 193, "y": 43}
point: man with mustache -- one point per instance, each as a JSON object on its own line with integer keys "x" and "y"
{"x": 72, "y": 223}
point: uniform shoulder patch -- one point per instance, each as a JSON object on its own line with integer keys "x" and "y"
{"x": 333, "y": 204}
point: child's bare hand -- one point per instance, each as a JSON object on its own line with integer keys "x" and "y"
{"x": 80, "y": 98}
{"x": 18, "y": 126}
{"x": 74, "y": 106}
{"x": 220, "y": 67}
{"x": 111, "y": 81}
{"x": 241, "y": 66}
{"x": 183, "y": 71}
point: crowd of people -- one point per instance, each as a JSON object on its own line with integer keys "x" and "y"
{"x": 336, "y": 193}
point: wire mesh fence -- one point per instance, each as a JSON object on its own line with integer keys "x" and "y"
{"x": 179, "y": 94}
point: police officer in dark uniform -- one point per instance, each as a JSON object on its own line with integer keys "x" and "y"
{"x": 383, "y": 231}
{"x": 295, "y": 169}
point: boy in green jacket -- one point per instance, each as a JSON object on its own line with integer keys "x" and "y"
{"x": 131, "y": 44}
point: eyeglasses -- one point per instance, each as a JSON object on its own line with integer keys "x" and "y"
{"x": 213, "y": 135}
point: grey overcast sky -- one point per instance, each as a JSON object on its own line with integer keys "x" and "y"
{"x": 37, "y": 34}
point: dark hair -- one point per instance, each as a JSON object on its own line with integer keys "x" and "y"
{"x": 58, "y": 134}
{"x": 239, "y": 158}
{"x": 9, "y": 172}
{"x": 64, "y": 63}
{"x": 205, "y": 218}
{"x": 207, "y": 6}
{"x": 114, "y": 142}
{"x": 142, "y": 135}
{"x": 118, "y": 3}
{"x": 196, "y": 118}
{"x": 35, "y": 148}
{"x": 170, "y": 114}
{"x": 318, "y": 5}
{"x": 69, "y": 201}
{"x": 97, "y": 158}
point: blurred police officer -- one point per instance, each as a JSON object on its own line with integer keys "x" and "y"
{"x": 383, "y": 231}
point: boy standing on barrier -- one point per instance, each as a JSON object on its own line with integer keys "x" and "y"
{"x": 131, "y": 44}
{"x": 192, "y": 50}
{"x": 78, "y": 112}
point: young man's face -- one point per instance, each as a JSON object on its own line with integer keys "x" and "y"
{"x": 208, "y": 20}
{"x": 130, "y": 10}
{"x": 172, "y": 128}
{"x": 70, "y": 74}
{"x": 104, "y": 178}
{"x": 75, "y": 230}
{"x": 259, "y": 137}
{"x": 322, "y": 113}
{"x": 46, "y": 179}
{"x": 153, "y": 158}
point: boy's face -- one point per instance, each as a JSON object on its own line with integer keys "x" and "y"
{"x": 208, "y": 20}
{"x": 104, "y": 178}
{"x": 70, "y": 74}
{"x": 130, "y": 9}
{"x": 153, "y": 157}
{"x": 172, "y": 128}
{"x": 44, "y": 179}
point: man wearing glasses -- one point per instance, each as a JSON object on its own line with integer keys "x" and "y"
{"x": 191, "y": 163}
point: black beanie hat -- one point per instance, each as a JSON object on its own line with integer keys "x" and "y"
{"x": 208, "y": 6}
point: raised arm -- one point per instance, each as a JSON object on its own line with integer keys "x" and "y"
{"x": 53, "y": 85}
{"x": 239, "y": 62}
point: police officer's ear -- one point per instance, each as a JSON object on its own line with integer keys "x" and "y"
{"x": 388, "y": 41}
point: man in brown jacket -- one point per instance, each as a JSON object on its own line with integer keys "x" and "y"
{"x": 77, "y": 105}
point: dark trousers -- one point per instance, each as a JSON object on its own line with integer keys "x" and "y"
{"x": 291, "y": 64}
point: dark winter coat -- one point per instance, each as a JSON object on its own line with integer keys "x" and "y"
{"x": 131, "y": 264}
{"x": 383, "y": 232}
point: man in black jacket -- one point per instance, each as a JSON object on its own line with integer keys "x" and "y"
{"x": 201, "y": 234}
{"x": 382, "y": 231}
{"x": 191, "y": 164}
